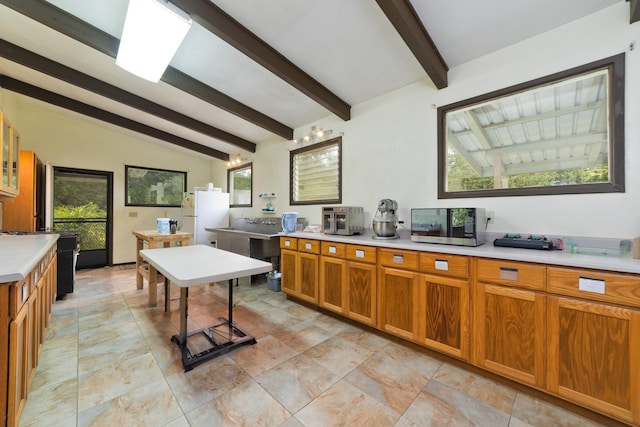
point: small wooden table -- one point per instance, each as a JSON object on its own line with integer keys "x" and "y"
{"x": 197, "y": 265}
{"x": 154, "y": 240}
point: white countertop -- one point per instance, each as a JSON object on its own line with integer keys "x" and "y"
{"x": 20, "y": 254}
{"x": 195, "y": 265}
{"x": 487, "y": 250}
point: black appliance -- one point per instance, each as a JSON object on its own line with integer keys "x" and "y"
{"x": 68, "y": 247}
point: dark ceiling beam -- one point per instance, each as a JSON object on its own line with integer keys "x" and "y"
{"x": 63, "y": 22}
{"x": 407, "y": 23}
{"x": 62, "y": 72}
{"x": 49, "y": 97}
{"x": 214, "y": 19}
{"x": 635, "y": 11}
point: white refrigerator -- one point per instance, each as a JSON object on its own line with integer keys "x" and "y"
{"x": 204, "y": 209}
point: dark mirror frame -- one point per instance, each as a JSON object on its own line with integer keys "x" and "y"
{"x": 230, "y": 190}
{"x": 616, "y": 68}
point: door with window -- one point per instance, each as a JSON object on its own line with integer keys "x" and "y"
{"x": 82, "y": 202}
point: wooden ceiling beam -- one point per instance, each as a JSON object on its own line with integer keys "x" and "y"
{"x": 69, "y": 75}
{"x": 49, "y": 97}
{"x": 214, "y": 19}
{"x": 407, "y": 23}
{"x": 63, "y": 22}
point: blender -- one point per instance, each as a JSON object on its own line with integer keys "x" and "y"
{"x": 385, "y": 222}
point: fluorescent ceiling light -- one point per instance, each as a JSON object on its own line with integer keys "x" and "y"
{"x": 153, "y": 30}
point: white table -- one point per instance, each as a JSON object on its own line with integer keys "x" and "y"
{"x": 187, "y": 266}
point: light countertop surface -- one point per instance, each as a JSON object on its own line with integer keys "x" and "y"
{"x": 487, "y": 250}
{"x": 195, "y": 265}
{"x": 20, "y": 254}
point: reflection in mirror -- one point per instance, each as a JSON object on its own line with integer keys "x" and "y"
{"x": 239, "y": 186}
{"x": 556, "y": 135}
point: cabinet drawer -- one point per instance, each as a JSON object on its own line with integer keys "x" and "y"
{"x": 288, "y": 243}
{"x": 333, "y": 249}
{"x": 309, "y": 246}
{"x": 444, "y": 264}
{"x": 361, "y": 253}
{"x": 512, "y": 273}
{"x": 400, "y": 259}
{"x": 18, "y": 295}
{"x": 597, "y": 285}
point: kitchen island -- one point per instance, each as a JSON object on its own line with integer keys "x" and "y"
{"x": 563, "y": 323}
{"x": 27, "y": 292}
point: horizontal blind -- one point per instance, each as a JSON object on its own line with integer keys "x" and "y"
{"x": 316, "y": 174}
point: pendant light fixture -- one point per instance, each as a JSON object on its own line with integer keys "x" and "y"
{"x": 153, "y": 31}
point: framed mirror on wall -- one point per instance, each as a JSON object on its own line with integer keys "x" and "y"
{"x": 560, "y": 134}
{"x": 240, "y": 186}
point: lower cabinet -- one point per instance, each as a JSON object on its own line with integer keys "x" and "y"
{"x": 398, "y": 297}
{"x": 509, "y": 322}
{"x": 300, "y": 268}
{"x": 348, "y": 286}
{"x": 29, "y": 307}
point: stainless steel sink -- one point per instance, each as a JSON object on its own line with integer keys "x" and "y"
{"x": 254, "y": 237}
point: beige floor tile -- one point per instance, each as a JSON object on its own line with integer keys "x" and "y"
{"x": 51, "y": 404}
{"x": 296, "y": 382}
{"x": 246, "y": 405}
{"x": 338, "y": 355}
{"x": 536, "y": 412}
{"x": 345, "y": 405}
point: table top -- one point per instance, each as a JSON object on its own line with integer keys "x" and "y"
{"x": 194, "y": 265}
{"x": 153, "y": 235}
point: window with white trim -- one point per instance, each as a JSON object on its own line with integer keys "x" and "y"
{"x": 316, "y": 173}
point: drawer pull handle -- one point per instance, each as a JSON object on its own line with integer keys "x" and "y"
{"x": 307, "y": 246}
{"x": 587, "y": 284}
{"x": 442, "y": 264}
{"x": 332, "y": 249}
{"x": 398, "y": 259}
{"x": 359, "y": 253}
{"x": 507, "y": 273}
{"x": 25, "y": 292}
{"x": 287, "y": 243}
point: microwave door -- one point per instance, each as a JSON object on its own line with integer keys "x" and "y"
{"x": 340, "y": 223}
{"x": 327, "y": 222}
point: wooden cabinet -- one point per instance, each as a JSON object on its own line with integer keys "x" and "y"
{"x": 398, "y": 297}
{"x": 25, "y": 211}
{"x": 510, "y": 320}
{"x": 443, "y": 310}
{"x": 300, "y": 268}
{"x": 593, "y": 344}
{"x": 9, "y": 159}
{"x": 348, "y": 280}
{"x": 24, "y": 309}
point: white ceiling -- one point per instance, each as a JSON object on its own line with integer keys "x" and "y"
{"x": 350, "y": 47}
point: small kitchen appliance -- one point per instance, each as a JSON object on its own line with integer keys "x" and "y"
{"x": 289, "y": 221}
{"x": 344, "y": 220}
{"x": 452, "y": 226}
{"x": 385, "y": 223}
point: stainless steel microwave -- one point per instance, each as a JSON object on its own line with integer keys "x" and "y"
{"x": 344, "y": 220}
{"x": 452, "y": 226}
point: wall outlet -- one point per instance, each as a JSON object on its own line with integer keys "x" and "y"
{"x": 133, "y": 214}
{"x": 491, "y": 216}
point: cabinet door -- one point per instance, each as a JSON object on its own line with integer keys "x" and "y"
{"x": 288, "y": 262}
{"x": 443, "y": 322}
{"x": 307, "y": 270}
{"x": 19, "y": 365}
{"x": 333, "y": 290}
{"x": 361, "y": 292}
{"x": 593, "y": 356}
{"x": 398, "y": 302}
{"x": 510, "y": 328}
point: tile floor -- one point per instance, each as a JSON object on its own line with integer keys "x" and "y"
{"x": 107, "y": 361}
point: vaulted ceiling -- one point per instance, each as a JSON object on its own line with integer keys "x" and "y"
{"x": 252, "y": 70}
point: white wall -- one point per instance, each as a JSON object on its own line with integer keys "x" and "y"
{"x": 390, "y": 144}
{"x": 73, "y": 140}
